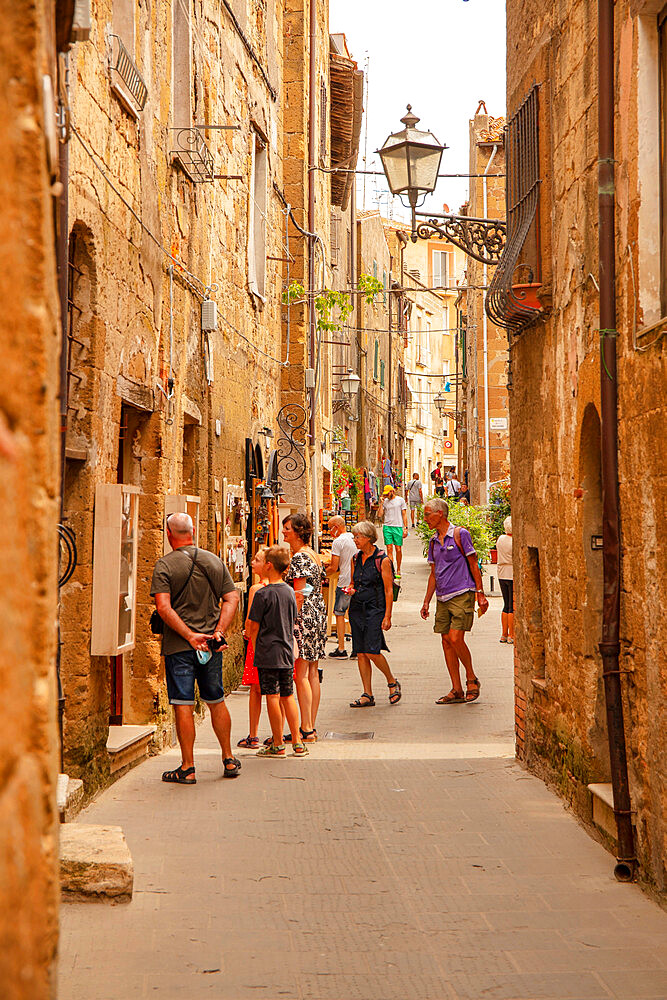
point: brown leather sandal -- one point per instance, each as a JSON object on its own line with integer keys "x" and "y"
{"x": 472, "y": 689}
{"x": 453, "y": 698}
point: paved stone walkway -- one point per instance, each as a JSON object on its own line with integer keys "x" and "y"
{"x": 424, "y": 863}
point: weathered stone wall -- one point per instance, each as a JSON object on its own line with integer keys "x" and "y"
{"x": 556, "y": 493}
{"x": 137, "y": 289}
{"x": 296, "y": 132}
{"x": 29, "y": 436}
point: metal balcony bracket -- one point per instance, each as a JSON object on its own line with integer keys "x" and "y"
{"x": 291, "y": 443}
{"x": 483, "y": 239}
{"x": 124, "y": 66}
{"x": 193, "y": 154}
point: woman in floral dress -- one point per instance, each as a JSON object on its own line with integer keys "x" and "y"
{"x": 305, "y": 575}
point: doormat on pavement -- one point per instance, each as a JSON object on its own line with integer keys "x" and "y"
{"x": 349, "y": 736}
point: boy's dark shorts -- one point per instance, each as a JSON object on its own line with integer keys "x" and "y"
{"x": 183, "y": 668}
{"x": 276, "y": 680}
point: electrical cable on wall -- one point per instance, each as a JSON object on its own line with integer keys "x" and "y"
{"x": 183, "y": 272}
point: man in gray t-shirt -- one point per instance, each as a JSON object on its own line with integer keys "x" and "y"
{"x": 343, "y": 551}
{"x": 188, "y": 585}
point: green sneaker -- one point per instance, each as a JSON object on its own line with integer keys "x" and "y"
{"x": 271, "y": 751}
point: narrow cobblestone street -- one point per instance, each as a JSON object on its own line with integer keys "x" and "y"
{"x": 422, "y": 863}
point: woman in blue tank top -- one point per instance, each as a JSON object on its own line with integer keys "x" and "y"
{"x": 370, "y": 612}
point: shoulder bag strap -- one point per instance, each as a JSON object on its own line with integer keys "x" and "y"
{"x": 208, "y": 580}
{"x": 193, "y": 560}
{"x": 457, "y": 539}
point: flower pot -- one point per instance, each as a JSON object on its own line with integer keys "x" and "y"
{"x": 494, "y": 556}
{"x": 523, "y": 297}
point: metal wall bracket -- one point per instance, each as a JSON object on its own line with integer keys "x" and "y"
{"x": 483, "y": 239}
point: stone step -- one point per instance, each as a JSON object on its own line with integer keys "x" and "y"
{"x": 69, "y": 795}
{"x": 126, "y": 746}
{"x": 95, "y": 864}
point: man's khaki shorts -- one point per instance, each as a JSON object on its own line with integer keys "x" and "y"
{"x": 456, "y": 613}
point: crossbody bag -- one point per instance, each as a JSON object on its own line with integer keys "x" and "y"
{"x": 156, "y": 623}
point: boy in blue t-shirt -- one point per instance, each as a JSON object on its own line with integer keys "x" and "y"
{"x": 270, "y": 629}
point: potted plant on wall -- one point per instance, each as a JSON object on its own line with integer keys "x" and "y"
{"x": 524, "y": 295}
{"x": 499, "y": 508}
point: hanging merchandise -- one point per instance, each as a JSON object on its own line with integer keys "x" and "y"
{"x": 235, "y": 511}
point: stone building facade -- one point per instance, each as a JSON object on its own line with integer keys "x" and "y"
{"x": 29, "y": 481}
{"x": 380, "y": 347}
{"x": 432, "y": 270}
{"x": 484, "y": 432}
{"x": 555, "y": 415}
{"x": 190, "y": 205}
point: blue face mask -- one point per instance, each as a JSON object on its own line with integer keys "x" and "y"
{"x": 204, "y": 655}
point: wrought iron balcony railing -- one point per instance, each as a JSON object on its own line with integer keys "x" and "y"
{"x": 123, "y": 65}
{"x": 512, "y": 302}
{"x": 193, "y": 154}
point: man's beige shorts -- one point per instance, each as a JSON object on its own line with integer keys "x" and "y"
{"x": 456, "y": 613}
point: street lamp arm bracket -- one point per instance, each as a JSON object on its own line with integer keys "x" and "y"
{"x": 483, "y": 239}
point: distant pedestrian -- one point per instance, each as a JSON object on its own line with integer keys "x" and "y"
{"x": 464, "y": 493}
{"x": 370, "y": 612}
{"x": 415, "y": 496}
{"x": 394, "y": 515}
{"x": 437, "y": 479}
{"x": 342, "y": 551}
{"x": 188, "y": 584}
{"x": 506, "y": 580}
{"x": 270, "y": 628}
{"x": 453, "y": 487}
{"x": 250, "y": 676}
{"x": 456, "y": 580}
{"x": 305, "y": 575}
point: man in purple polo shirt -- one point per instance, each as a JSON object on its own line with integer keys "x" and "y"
{"x": 456, "y": 581}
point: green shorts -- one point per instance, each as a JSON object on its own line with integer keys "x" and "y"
{"x": 392, "y": 535}
{"x": 456, "y": 613}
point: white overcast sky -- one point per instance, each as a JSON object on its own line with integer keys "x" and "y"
{"x": 441, "y": 56}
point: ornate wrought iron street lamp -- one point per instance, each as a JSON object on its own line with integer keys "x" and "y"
{"x": 411, "y": 161}
{"x": 349, "y": 384}
{"x": 441, "y": 403}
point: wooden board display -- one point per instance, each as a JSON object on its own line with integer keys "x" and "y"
{"x": 182, "y": 504}
{"x": 114, "y": 569}
{"x": 234, "y": 545}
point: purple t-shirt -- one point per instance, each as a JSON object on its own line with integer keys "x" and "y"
{"x": 452, "y": 571}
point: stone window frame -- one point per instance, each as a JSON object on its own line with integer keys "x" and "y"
{"x": 651, "y": 258}
{"x": 257, "y": 209}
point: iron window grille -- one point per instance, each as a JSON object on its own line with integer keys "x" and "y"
{"x": 124, "y": 67}
{"x": 193, "y": 154}
{"x": 516, "y": 279}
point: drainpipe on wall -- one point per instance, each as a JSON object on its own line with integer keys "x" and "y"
{"x": 311, "y": 260}
{"x": 611, "y": 529}
{"x": 485, "y": 341}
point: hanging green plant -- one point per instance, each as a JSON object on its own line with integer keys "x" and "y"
{"x": 475, "y": 519}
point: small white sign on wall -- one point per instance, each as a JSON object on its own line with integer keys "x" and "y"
{"x": 498, "y": 423}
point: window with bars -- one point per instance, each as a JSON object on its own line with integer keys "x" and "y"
{"x": 334, "y": 244}
{"x": 323, "y": 121}
{"x": 512, "y": 301}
